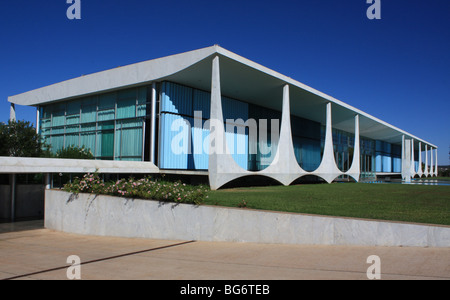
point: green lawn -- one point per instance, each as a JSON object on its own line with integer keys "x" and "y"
{"x": 395, "y": 202}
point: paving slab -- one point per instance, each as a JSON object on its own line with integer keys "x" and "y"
{"x": 30, "y": 252}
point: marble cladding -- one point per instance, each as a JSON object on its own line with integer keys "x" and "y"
{"x": 113, "y": 216}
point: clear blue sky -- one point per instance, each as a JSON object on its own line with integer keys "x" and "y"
{"x": 396, "y": 68}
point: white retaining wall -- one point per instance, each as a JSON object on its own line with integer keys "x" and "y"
{"x": 113, "y": 216}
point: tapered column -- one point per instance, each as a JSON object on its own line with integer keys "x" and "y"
{"x": 431, "y": 163}
{"x": 406, "y": 159}
{"x": 284, "y": 167}
{"x": 216, "y": 135}
{"x": 413, "y": 165}
{"x": 419, "y": 170}
{"x": 426, "y": 172}
{"x": 403, "y": 155}
{"x": 436, "y": 170}
{"x": 355, "y": 169}
{"x": 328, "y": 169}
{"x": 222, "y": 167}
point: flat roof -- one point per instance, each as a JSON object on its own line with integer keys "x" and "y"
{"x": 241, "y": 79}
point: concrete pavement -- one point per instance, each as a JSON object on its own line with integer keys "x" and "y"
{"x": 28, "y": 251}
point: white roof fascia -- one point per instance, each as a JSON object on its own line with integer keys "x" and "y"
{"x": 155, "y": 69}
{"x": 130, "y": 75}
{"x": 57, "y": 165}
{"x": 293, "y": 82}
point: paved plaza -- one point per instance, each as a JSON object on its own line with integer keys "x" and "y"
{"x": 28, "y": 251}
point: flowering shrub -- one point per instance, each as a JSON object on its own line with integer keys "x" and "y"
{"x": 145, "y": 188}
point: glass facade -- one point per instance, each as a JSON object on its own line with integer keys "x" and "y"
{"x": 184, "y": 134}
{"x": 262, "y": 149}
{"x": 110, "y": 125}
{"x": 178, "y": 104}
{"x": 113, "y": 127}
{"x": 343, "y": 143}
{"x": 388, "y": 157}
{"x": 307, "y": 140}
{"x": 367, "y": 158}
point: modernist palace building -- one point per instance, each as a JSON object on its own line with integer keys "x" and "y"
{"x": 212, "y": 112}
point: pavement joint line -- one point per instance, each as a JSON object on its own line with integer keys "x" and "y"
{"x": 320, "y": 269}
{"x": 101, "y": 259}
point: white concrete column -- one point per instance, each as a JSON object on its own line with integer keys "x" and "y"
{"x": 403, "y": 153}
{"x": 222, "y": 168}
{"x": 413, "y": 165}
{"x": 420, "y": 171}
{"x": 431, "y": 163}
{"x": 436, "y": 169}
{"x": 355, "y": 169}
{"x": 328, "y": 169}
{"x": 12, "y": 112}
{"x": 426, "y": 172}
{"x": 215, "y": 116}
{"x": 406, "y": 159}
{"x": 284, "y": 167}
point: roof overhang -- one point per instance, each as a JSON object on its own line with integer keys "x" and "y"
{"x": 23, "y": 165}
{"x": 240, "y": 78}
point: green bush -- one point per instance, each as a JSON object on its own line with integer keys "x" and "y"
{"x": 74, "y": 152}
{"x": 145, "y": 188}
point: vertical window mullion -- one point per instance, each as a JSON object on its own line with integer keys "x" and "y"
{"x": 121, "y": 139}
{"x": 115, "y": 125}
{"x": 143, "y": 139}
{"x": 96, "y": 128}
{"x": 65, "y": 125}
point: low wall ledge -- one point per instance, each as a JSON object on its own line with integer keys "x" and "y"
{"x": 100, "y": 215}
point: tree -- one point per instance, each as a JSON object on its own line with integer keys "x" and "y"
{"x": 19, "y": 139}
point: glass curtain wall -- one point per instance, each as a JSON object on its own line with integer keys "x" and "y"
{"x": 367, "y": 159}
{"x": 180, "y": 127}
{"x": 184, "y": 133}
{"x": 306, "y": 137}
{"x": 263, "y": 148}
{"x": 344, "y": 144}
{"x": 344, "y": 147}
{"x": 110, "y": 125}
{"x": 388, "y": 157}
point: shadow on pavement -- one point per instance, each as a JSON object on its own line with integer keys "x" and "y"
{"x": 21, "y": 226}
